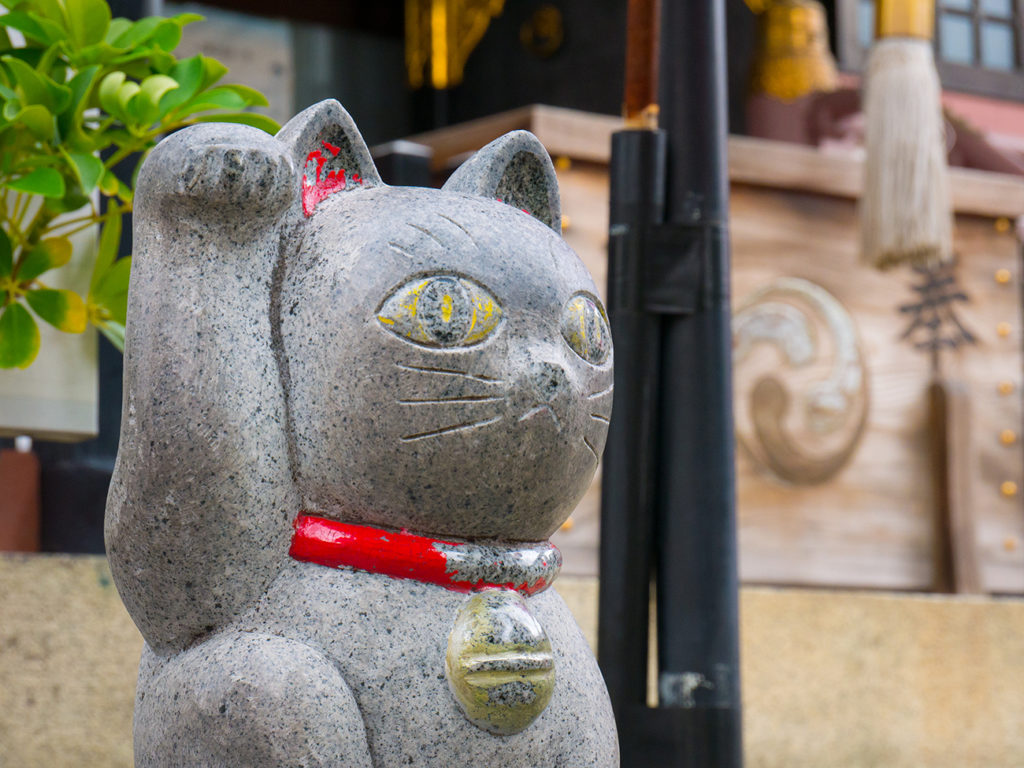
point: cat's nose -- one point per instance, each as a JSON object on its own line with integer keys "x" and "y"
{"x": 547, "y": 381}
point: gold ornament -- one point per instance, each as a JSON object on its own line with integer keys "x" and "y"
{"x": 792, "y": 58}
{"x": 440, "y": 35}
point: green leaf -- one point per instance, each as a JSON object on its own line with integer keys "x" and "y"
{"x": 112, "y": 289}
{"x": 109, "y": 87}
{"x": 35, "y": 161}
{"x": 252, "y": 97}
{"x": 42, "y": 181}
{"x": 125, "y": 94}
{"x": 184, "y": 19}
{"x": 36, "y": 118}
{"x": 30, "y": 56}
{"x": 255, "y": 119}
{"x": 138, "y": 33}
{"x": 110, "y": 243}
{"x": 87, "y": 20}
{"x": 167, "y": 35}
{"x": 161, "y": 61}
{"x": 124, "y": 192}
{"x": 52, "y": 10}
{"x": 97, "y": 53}
{"x": 108, "y": 184}
{"x": 215, "y": 98}
{"x": 213, "y": 71}
{"x": 117, "y": 28}
{"x": 19, "y": 337}
{"x": 60, "y": 96}
{"x": 80, "y": 84}
{"x": 188, "y": 74}
{"x": 32, "y": 86}
{"x": 155, "y": 86}
{"x": 113, "y": 331}
{"x": 64, "y": 310}
{"x": 70, "y": 122}
{"x": 47, "y": 255}
{"x": 88, "y": 169}
{"x": 72, "y": 200}
{"x": 33, "y": 27}
{"x": 6, "y": 258}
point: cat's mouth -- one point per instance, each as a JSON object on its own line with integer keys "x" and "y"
{"x": 538, "y": 410}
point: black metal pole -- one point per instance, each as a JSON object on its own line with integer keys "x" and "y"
{"x": 698, "y": 636}
{"x": 637, "y": 174}
{"x": 668, "y": 505}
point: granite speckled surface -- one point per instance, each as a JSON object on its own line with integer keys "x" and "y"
{"x": 303, "y": 338}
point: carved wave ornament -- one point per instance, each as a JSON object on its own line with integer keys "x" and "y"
{"x": 794, "y": 341}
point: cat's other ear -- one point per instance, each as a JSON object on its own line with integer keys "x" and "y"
{"x": 326, "y": 145}
{"x": 516, "y": 170}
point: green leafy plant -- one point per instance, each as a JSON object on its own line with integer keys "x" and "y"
{"x": 79, "y": 93}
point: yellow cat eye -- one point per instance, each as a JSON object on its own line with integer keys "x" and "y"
{"x": 441, "y": 311}
{"x": 585, "y": 328}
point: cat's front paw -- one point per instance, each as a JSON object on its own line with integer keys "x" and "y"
{"x": 245, "y": 176}
{"x": 225, "y": 165}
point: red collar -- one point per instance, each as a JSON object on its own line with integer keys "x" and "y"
{"x": 458, "y": 566}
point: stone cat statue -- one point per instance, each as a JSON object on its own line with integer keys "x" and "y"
{"x": 353, "y": 415}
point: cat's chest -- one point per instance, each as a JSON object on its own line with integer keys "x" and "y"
{"x": 350, "y": 613}
{"x": 389, "y": 638}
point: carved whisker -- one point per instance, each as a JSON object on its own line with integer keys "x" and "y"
{"x": 601, "y": 418}
{"x": 591, "y": 447}
{"x": 452, "y": 428}
{"x": 400, "y": 250}
{"x": 429, "y": 234}
{"x": 459, "y": 399}
{"x": 468, "y": 233}
{"x": 602, "y": 393}
{"x": 451, "y": 372}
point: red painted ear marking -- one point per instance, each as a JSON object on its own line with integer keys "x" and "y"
{"x": 524, "y": 210}
{"x": 317, "y": 186}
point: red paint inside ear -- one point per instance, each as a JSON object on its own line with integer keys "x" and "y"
{"x": 322, "y": 185}
{"x": 524, "y": 210}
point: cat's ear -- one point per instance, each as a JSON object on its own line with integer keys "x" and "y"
{"x": 516, "y": 170}
{"x": 327, "y": 146}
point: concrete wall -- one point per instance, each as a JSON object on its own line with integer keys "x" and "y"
{"x": 830, "y": 679}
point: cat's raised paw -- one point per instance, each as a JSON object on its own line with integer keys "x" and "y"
{"x": 246, "y": 176}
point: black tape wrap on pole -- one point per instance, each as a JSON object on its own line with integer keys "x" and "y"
{"x": 668, "y": 508}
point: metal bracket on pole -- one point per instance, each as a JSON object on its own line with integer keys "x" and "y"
{"x": 673, "y": 256}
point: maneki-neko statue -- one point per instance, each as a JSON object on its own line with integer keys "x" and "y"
{"x": 353, "y": 416}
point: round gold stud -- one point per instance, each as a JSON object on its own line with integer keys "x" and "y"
{"x": 568, "y": 524}
{"x": 1010, "y": 543}
{"x": 1003, "y": 276}
{"x": 1002, "y": 224}
{"x": 1008, "y": 488}
{"x": 1003, "y": 329}
{"x": 1005, "y": 387}
{"x": 565, "y": 222}
{"x": 1007, "y": 437}
{"x": 563, "y": 163}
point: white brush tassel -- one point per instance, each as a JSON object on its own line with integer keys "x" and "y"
{"x": 905, "y": 208}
